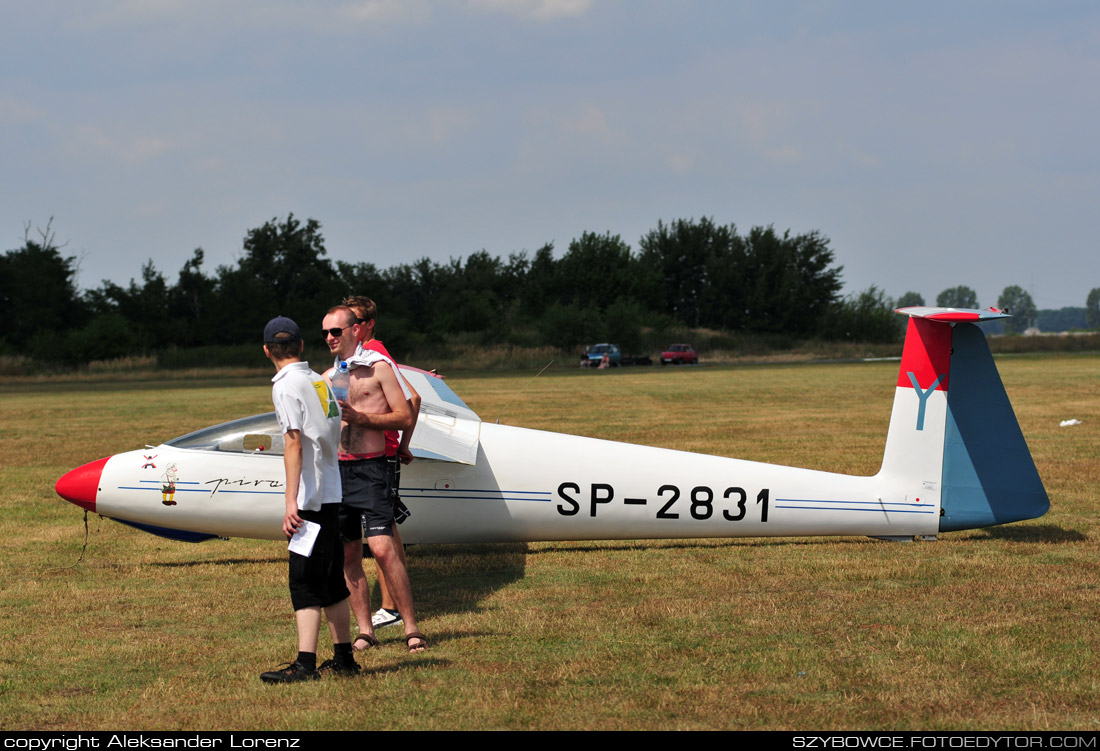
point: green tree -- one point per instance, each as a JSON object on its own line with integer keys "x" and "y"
{"x": 704, "y": 274}
{"x": 468, "y": 296}
{"x": 864, "y": 317}
{"x": 677, "y": 260}
{"x": 790, "y": 281}
{"x": 566, "y": 326}
{"x": 143, "y": 306}
{"x": 38, "y": 296}
{"x": 1063, "y": 319}
{"x": 394, "y": 323}
{"x": 283, "y": 271}
{"x": 957, "y": 297}
{"x": 910, "y": 300}
{"x": 1016, "y": 301}
{"x": 596, "y": 271}
{"x": 623, "y": 325}
{"x": 190, "y": 301}
{"x": 364, "y": 278}
{"x": 106, "y": 336}
{"x": 412, "y": 288}
{"x": 1092, "y": 308}
{"x": 534, "y": 282}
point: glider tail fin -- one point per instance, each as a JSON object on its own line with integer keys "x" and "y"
{"x": 953, "y": 430}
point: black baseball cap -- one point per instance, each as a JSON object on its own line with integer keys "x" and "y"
{"x": 281, "y": 329}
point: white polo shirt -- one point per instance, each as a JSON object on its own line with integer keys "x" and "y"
{"x": 304, "y": 402}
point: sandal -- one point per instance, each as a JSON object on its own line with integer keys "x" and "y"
{"x": 370, "y": 640}
{"x": 414, "y": 648}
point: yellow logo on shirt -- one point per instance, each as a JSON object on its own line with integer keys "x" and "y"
{"x": 327, "y": 399}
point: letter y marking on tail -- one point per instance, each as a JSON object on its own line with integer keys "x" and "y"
{"x": 922, "y": 397}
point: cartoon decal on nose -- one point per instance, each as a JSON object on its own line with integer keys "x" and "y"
{"x": 168, "y": 485}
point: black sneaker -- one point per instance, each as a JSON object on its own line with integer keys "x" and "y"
{"x": 289, "y": 672}
{"x": 332, "y": 667}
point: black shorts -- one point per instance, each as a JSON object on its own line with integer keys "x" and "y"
{"x": 318, "y": 581}
{"x": 368, "y": 498}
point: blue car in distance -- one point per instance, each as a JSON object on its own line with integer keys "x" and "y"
{"x": 602, "y": 356}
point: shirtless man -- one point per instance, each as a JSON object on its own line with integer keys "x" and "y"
{"x": 375, "y": 404}
{"x": 397, "y": 451}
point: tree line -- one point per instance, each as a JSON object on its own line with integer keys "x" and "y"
{"x": 686, "y": 273}
{"x": 1018, "y": 302}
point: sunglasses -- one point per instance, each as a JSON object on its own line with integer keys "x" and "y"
{"x": 336, "y": 331}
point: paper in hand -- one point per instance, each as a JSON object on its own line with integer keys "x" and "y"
{"x": 303, "y": 540}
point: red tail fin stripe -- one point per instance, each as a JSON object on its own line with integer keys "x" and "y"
{"x": 927, "y": 354}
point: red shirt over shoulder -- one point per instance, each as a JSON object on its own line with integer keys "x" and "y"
{"x": 393, "y": 437}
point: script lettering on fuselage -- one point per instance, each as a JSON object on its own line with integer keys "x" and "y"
{"x": 700, "y": 502}
{"x": 225, "y": 482}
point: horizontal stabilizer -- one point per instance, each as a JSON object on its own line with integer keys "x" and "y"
{"x": 952, "y": 315}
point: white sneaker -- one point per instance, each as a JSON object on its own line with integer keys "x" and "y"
{"x": 384, "y": 618}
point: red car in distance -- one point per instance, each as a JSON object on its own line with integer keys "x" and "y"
{"x": 680, "y": 354}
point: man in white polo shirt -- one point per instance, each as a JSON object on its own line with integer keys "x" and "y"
{"x": 310, "y": 419}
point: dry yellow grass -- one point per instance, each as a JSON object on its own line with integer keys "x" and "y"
{"x": 984, "y": 629}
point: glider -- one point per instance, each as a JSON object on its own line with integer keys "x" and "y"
{"x": 955, "y": 459}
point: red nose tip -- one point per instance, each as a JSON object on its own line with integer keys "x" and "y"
{"x": 80, "y": 485}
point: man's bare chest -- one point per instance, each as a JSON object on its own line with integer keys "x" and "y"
{"x": 365, "y": 391}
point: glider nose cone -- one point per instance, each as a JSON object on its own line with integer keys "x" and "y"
{"x": 80, "y": 485}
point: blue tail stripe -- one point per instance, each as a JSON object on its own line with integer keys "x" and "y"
{"x": 989, "y": 476}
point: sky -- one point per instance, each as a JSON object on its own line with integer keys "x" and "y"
{"x": 934, "y": 143}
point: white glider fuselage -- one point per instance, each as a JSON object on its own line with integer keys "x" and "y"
{"x": 530, "y": 485}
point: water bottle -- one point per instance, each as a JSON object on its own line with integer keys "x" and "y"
{"x": 340, "y": 380}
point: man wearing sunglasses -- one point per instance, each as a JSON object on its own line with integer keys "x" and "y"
{"x": 376, "y": 403}
{"x": 397, "y": 451}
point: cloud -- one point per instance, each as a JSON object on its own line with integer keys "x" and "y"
{"x": 680, "y": 162}
{"x": 137, "y": 13}
{"x": 446, "y": 122}
{"x": 209, "y": 164}
{"x": 326, "y": 16}
{"x": 250, "y": 13}
{"x": 539, "y": 10}
{"x": 591, "y": 121}
{"x": 387, "y": 11}
{"x": 786, "y": 154}
{"x": 864, "y": 159}
{"x": 18, "y": 112}
{"x": 762, "y": 120}
{"x": 91, "y": 139}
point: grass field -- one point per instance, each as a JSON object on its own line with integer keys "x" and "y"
{"x": 990, "y": 629}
